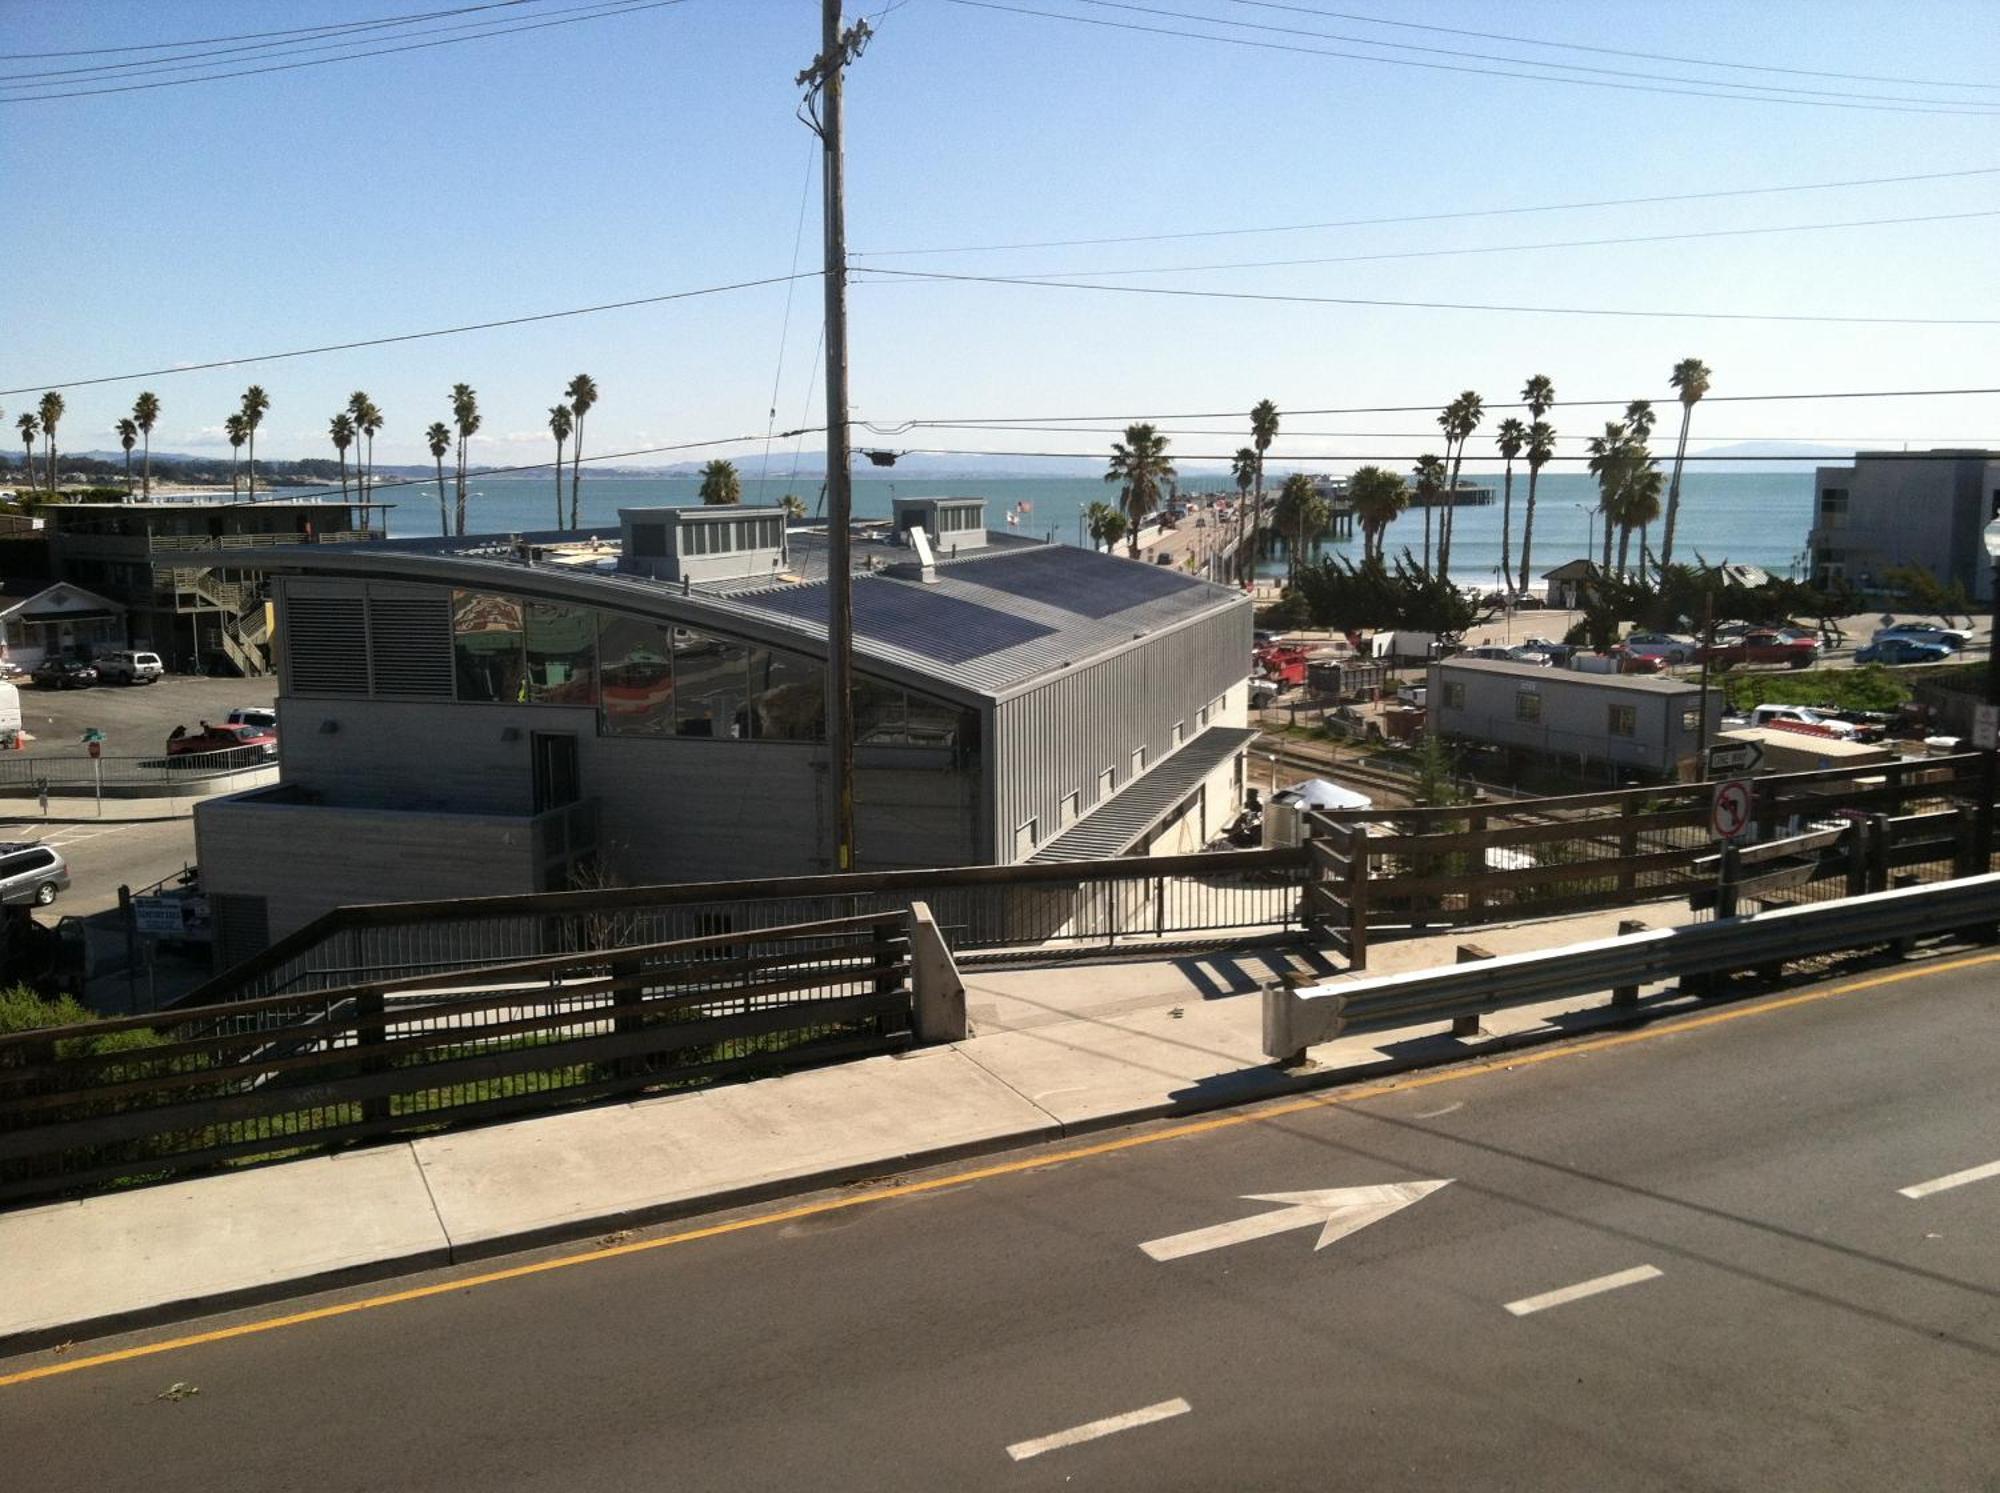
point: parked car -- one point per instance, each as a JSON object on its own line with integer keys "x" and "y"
{"x": 1664, "y": 646}
{"x": 64, "y": 673}
{"x": 1894, "y": 650}
{"x": 32, "y": 873}
{"x": 254, "y": 715}
{"x": 1803, "y": 715}
{"x": 1490, "y": 650}
{"x": 125, "y": 666}
{"x": 1795, "y": 651}
{"x": 1635, "y": 663}
{"x": 222, "y": 739}
{"x": 1556, "y": 653}
{"x": 1925, "y": 632}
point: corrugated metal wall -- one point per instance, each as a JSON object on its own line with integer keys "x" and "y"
{"x": 1058, "y": 738}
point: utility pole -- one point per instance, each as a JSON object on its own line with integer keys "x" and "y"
{"x": 822, "y": 114}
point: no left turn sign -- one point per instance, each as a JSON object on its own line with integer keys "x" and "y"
{"x": 1729, "y": 814}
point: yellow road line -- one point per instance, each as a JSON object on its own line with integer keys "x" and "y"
{"x": 1252, "y": 1116}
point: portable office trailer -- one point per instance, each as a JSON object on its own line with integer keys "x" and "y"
{"x": 1632, "y": 722}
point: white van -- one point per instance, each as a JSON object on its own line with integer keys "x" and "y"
{"x": 10, "y": 708}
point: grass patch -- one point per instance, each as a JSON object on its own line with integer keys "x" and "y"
{"x": 1869, "y": 687}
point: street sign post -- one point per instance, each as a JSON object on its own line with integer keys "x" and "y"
{"x": 1730, "y": 812}
{"x": 1734, "y": 758}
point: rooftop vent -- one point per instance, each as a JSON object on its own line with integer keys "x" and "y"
{"x": 701, "y": 544}
{"x": 952, "y": 523}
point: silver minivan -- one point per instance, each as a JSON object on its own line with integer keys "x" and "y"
{"x": 31, "y": 873}
{"x": 127, "y": 666}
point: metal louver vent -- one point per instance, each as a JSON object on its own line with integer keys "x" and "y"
{"x": 325, "y": 645}
{"x": 409, "y": 647}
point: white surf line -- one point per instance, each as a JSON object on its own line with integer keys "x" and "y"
{"x": 1020, "y": 1451}
{"x": 1956, "y": 1179}
{"x": 1632, "y": 1277}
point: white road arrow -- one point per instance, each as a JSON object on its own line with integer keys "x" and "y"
{"x": 1340, "y": 1211}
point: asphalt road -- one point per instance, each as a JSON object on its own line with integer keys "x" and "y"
{"x": 135, "y": 719}
{"x": 1787, "y": 1318}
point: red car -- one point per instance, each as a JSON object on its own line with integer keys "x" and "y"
{"x": 1764, "y": 648}
{"x": 222, "y": 739}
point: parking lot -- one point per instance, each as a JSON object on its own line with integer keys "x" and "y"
{"x": 135, "y": 719}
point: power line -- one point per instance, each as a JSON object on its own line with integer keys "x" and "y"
{"x": 1562, "y": 67}
{"x": 203, "y": 41}
{"x": 476, "y": 326}
{"x": 1324, "y": 300}
{"x": 1227, "y": 456}
{"x": 340, "y": 36}
{"x": 1569, "y": 46}
{"x": 1450, "y": 67}
{"x": 620, "y": 8}
{"x": 1291, "y": 433}
{"x": 1486, "y": 212}
{"x": 1575, "y": 243}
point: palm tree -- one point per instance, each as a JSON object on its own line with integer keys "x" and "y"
{"x": 1097, "y": 518}
{"x": 438, "y": 437}
{"x": 794, "y": 506}
{"x": 559, "y": 427}
{"x": 145, "y": 413}
{"x": 1430, "y": 474}
{"x": 1263, "y": 431}
{"x": 1243, "y": 467}
{"x": 1690, "y": 381}
{"x": 1460, "y": 418}
{"x": 1302, "y": 515}
{"x": 52, "y": 413}
{"x": 128, "y": 437}
{"x": 1139, "y": 464}
{"x": 582, "y": 394}
{"x": 237, "y": 432}
{"x": 465, "y": 413}
{"x": 255, "y": 402}
{"x": 341, "y": 430}
{"x": 1511, "y": 436}
{"x": 368, "y": 422}
{"x": 720, "y": 486}
{"x": 358, "y": 404}
{"x": 1640, "y": 419}
{"x": 1378, "y": 497}
{"x": 1541, "y": 450}
{"x": 1638, "y": 506}
{"x": 30, "y": 427}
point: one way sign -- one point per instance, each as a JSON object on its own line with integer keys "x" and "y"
{"x": 1729, "y": 759}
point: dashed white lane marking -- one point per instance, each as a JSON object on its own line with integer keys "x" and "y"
{"x": 1020, "y": 1451}
{"x": 1956, "y": 1179}
{"x": 1581, "y": 1289}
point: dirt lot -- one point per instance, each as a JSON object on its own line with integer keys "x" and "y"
{"x": 135, "y": 719}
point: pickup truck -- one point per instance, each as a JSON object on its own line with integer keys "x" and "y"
{"x": 1793, "y": 650}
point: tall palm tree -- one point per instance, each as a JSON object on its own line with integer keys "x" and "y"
{"x": 1640, "y": 419}
{"x": 582, "y": 394}
{"x": 145, "y": 414}
{"x": 52, "y": 412}
{"x": 1690, "y": 381}
{"x": 128, "y": 437}
{"x": 1263, "y": 431}
{"x": 30, "y": 426}
{"x": 1612, "y": 464}
{"x": 255, "y": 402}
{"x": 1139, "y": 464}
{"x": 720, "y": 486}
{"x": 438, "y": 438}
{"x": 1378, "y": 497}
{"x": 341, "y": 431}
{"x": 1097, "y": 519}
{"x": 367, "y": 424}
{"x": 1540, "y": 452}
{"x": 1460, "y": 419}
{"x": 794, "y": 506}
{"x": 238, "y": 432}
{"x": 358, "y": 404}
{"x": 1302, "y": 515}
{"x": 559, "y": 427}
{"x": 1243, "y": 467}
{"x": 1511, "y": 437}
{"x": 465, "y": 414}
{"x": 1430, "y": 475}
{"x": 1638, "y": 506}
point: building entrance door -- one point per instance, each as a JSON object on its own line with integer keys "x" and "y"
{"x": 557, "y": 776}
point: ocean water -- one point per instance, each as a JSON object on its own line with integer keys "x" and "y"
{"x": 1754, "y": 518}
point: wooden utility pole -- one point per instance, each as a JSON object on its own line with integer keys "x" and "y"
{"x": 822, "y": 112}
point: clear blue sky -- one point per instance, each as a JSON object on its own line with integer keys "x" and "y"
{"x": 657, "y": 151}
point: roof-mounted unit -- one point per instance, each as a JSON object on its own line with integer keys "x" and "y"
{"x": 701, "y": 544}
{"x": 952, "y": 523}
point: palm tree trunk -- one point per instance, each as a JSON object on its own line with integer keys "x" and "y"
{"x": 459, "y": 505}
{"x": 149, "y": 464}
{"x": 1450, "y": 507}
{"x": 1644, "y": 531}
{"x": 1427, "y": 534}
{"x": 1674, "y": 491}
{"x": 252, "y": 468}
{"x": 1528, "y": 526}
{"x": 1256, "y": 527}
{"x": 343, "y": 473}
{"x": 559, "y": 446}
{"x": 575, "y": 478}
{"x": 1242, "y": 509}
{"x": 234, "y": 492}
{"x": 1605, "y": 564}
{"x": 1507, "y": 527}
{"x": 1624, "y": 544}
{"x": 128, "y": 471}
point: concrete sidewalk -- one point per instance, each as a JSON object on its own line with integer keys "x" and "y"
{"x": 1055, "y": 1052}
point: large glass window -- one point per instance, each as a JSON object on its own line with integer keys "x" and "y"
{"x": 787, "y": 697}
{"x": 636, "y": 683}
{"x": 711, "y": 679}
{"x": 881, "y": 715}
{"x": 562, "y": 654}
{"x": 487, "y": 652}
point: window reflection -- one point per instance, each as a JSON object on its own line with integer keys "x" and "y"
{"x": 562, "y": 654}
{"x": 487, "y": 647}
{"x": 710, "y": 682}
{"x": 787, "y": 697}
{"x": 636, "y": 690}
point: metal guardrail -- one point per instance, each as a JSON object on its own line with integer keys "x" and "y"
{"x": 1296, "y": 1019}
{"x": 23, "y": 772}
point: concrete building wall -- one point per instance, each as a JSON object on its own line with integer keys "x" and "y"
{"x": 1888, "y": 509}
{"x": 1203, "y": 814}
{"x": 1066, "y": 734}
{"x": 1573, "y": 718}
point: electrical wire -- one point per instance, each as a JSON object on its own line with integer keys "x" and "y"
{"x": 1570, "y": 46}
{"x": 1344, "y": 456}
{"x": 1450, "y": 67}
{"x": 1291, "y": 433}
{"x": 477, "y": 326}
{"x": 203, "y": 41}
{"x": 1485, "y": 212}
{"x": 621, "y": 8}
{"x": 785, "y": 326}
{"x": 1277, "y": 298}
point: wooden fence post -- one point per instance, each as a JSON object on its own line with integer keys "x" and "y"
{"x": 1475, "y": 896}
{"x": 371, "y": 1036}
{"x": 1965, "y": 840}
{"x": 626, "y": 1001}
{"x": 1878, "y": 852}
{"x": 1628, "y": 841}
{"x": 1357, "y": 896}
{"x": 1468, "y": 1026}
{"x": 1729, "y": 878}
